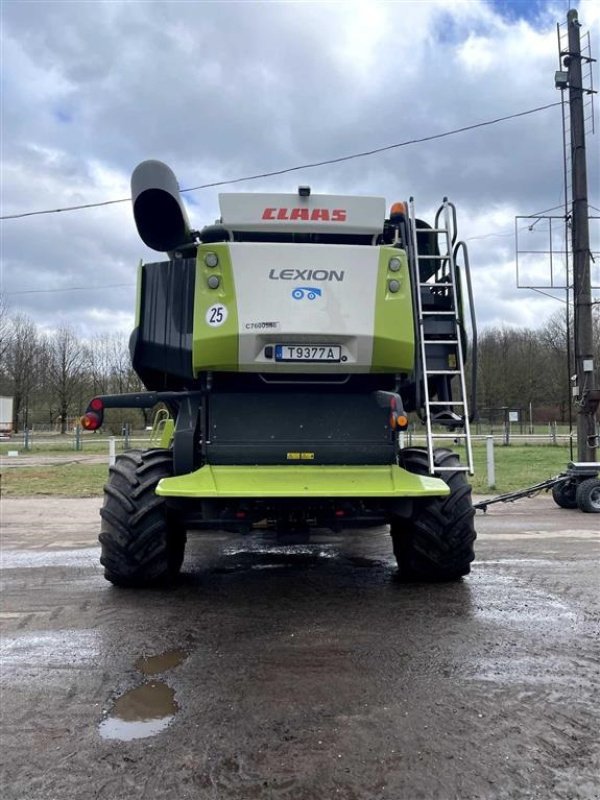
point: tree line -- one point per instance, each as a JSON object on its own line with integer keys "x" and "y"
{"x": 52, "y": 376}
{"x": 521, "y": 368}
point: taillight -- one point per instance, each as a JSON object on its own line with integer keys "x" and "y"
{"x": 91, "y": 421}
{"x": 397, "y": 419}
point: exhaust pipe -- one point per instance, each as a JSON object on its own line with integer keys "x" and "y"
{"x": 158, "y": 210}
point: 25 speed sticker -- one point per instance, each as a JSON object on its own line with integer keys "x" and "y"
{"x": 216, "y": 315}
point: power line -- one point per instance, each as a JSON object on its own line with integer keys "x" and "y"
{"x": 511, "y": 232}
{"x": 72, "y": 289}
{"x": 287, "y": 170}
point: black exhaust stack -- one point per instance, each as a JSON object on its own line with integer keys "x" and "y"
{"x": 158, "y": 209}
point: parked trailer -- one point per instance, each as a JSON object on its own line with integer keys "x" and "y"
{"x": 6, "y": 416}
{"x": 577, "y": 487}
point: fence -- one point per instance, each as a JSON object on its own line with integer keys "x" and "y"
{"x": 79, "y": 441}
{"x": 104, "y": 449}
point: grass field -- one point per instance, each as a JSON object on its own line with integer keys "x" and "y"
{"x": 62, "y": 480}
{"x": 56, "y": 444}
{"x": 517, "y": 467}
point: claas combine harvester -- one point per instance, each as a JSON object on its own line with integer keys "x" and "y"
{"x": 288, "y": 343}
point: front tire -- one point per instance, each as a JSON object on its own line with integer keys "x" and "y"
{"x": 141, "y": 546}
{"x": 436, "y": 543}
{"x": 564, "y": 494}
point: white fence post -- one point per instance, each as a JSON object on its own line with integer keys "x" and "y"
{"x": 491, "y": 471}
{"x": 112, "y": 451}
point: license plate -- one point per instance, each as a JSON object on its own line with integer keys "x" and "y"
{"x": 308, "y": 352}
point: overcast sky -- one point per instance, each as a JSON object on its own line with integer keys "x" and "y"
{"x": 220, "y": 90}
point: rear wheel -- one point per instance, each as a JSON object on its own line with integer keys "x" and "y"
{"x": 141, "y": 546}
{"x": 588, "y": 496}
{"x": 564, "y": 494}
{"x": 436, "y": 543}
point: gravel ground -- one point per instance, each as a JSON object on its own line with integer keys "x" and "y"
{"x": 305, "y": 672}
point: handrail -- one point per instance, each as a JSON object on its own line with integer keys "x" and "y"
{"x": 461, "y": 246}
{"x": 440, "y": 211}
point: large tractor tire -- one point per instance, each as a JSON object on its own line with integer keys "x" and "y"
{"x": 564, "y": 494}
{"x": 141, "y": 546}
{"x": 436, "y": 543}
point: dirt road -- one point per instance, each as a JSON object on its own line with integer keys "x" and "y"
{"x": 308, "y": 673}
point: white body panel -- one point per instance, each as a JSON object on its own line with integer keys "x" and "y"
{"x": 305, "y": 294}
{"x": 289, "y": 212}
{"x": 6, "y": 414}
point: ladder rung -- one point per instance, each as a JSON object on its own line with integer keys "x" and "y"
{"x": 451, "y": 469}
{"x": 431, "y": 230}
{"x": 442, "y": 372}
{"x": 438, "y": 284}
{"x": 448, "y": 435}
{"x": 440, "y": 341}
{"x": 435, "y": 258}
{"x": 447, "y": 403}
{"x": 435, "y": 313}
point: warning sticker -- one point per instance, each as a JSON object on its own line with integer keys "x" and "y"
{"x": 216, "y": 315}
{"x": 300, "y": 456}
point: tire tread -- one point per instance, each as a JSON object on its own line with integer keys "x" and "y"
{"x": 140, "y": 545}
{"x": 437, "y": 542}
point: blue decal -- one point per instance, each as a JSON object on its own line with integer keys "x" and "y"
{"x": 310, "y": 292}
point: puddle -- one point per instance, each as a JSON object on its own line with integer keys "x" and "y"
{"x": 60, "y": 649}
{"x": 34, "y": 559}
{"x": 148, "y": 709}
{"x": 539, "y": 670}
{"x": 141, "y": 712}
{"x": 539, "y": 534}
{"x": 273, "y": 557}
{"x": 504, "y": 600}
{"x": 155, "y": 665}
{"x": 291, "y": 551}
{"x": 365, "y": 563}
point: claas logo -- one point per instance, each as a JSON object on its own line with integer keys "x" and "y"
{"x": 306, "y": 214}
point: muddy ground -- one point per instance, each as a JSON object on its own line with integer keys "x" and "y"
{"x": 305, "y": 674}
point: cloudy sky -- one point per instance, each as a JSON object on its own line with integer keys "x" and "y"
{"x": 220, "y": 90}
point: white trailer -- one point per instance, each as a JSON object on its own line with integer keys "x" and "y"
{"x": 6, "y": 415}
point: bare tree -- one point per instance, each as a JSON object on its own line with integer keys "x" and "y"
{"x": 98, "y": 363}
{"x": 65, "y": 371}
{"x": 5, "y": 329}
{"x": 21, "y": 366}
{"x": 124, "y": 378}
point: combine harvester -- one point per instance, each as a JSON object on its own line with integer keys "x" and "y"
{"x": 288, "y": 343}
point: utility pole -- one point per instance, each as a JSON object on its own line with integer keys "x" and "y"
{"x": 588, "y": 395}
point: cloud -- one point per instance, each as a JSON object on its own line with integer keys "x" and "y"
{"x": 219, "y": 90}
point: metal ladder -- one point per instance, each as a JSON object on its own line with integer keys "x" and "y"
{"x": 444, "y": 279}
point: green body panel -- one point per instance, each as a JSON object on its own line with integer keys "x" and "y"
{"x": 394, "y": 337}
{"x": 163, "y": 427}
{"x": 263, "y": 482}
{"x": 215, "y": 347}
{"x": 166, "y": 433}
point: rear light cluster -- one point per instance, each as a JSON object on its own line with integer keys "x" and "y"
{"x": 398, "y": 419}
{"x": 394, "y": 283}
{"x": 93, "y": 417}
